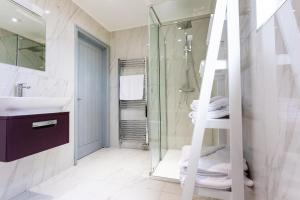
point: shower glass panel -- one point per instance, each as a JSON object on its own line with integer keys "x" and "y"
{"x": 153, "y": 90}
{"x": 163, "y": 95}
{"x": 178, "y": 43}
{"x": 185, "y": 44}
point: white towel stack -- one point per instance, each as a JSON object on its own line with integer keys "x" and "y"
{"x": 213, "y": 168}
{"x": 218, "y": 108}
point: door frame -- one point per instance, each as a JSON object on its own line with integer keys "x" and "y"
{"x": 106, "y": 48}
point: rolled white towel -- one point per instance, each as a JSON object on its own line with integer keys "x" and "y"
{"x": 192, "y": 115}
{"x": 195, "y": 105}
{"x": 218, "y": 102}
{"x": 217, "y": 114}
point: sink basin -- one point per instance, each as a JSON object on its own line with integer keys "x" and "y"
{"x": 12, "y": 106}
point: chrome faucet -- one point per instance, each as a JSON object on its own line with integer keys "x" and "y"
{"x": 19, "y": 89}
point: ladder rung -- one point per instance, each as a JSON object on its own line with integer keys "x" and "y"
{"x": 218, "y": 123}
{"x": 219, "y": 65}
{"x": 217, "y": 194}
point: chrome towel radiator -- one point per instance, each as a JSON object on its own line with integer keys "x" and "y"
{"x": 133, "y": 132}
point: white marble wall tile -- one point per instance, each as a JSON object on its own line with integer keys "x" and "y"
{"x": 271, "y": 110}
{"x": 57, "y": 80}
{"x": 180, "y": 127}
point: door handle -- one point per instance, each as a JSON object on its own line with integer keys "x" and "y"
{"x": 79, "y": 99}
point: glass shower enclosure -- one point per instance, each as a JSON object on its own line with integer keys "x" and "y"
{"x": 178, "y": 32}
{"x": 157, "y": 115}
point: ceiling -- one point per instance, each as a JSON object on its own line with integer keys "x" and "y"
{"x": 173, "y": 10}
{"x": 123, "y": 14}
{"x": 116, "y": 14}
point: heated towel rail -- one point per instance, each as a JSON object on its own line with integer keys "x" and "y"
{"x": 133, "y": 129}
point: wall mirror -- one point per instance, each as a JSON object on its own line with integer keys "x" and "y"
{"x": 265, "y": 9}
{"x": 22, "y": 36}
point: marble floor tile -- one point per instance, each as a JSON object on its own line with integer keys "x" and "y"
{"x": 108, "y": 174}
{"x": 172, "y": 188}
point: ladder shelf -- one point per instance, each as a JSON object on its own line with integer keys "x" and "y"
{"x": 225, "y": 11}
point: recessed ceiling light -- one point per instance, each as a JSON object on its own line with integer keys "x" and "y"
{"x": 15, "y": 20}
{"x": 47, "y": 12}
{"x": 179, "y": 40}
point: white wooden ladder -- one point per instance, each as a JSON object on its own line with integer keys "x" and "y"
{"x": 225, "y": 10}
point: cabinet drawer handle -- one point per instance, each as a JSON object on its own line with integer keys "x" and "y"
{"x": 44, "y": 124}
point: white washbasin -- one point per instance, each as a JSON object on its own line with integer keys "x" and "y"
{"x": 12, "y": 106}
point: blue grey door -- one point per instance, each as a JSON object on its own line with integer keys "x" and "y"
{"x": 91, "y": 96}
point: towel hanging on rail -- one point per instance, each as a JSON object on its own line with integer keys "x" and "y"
{"x": 132, "y": 87}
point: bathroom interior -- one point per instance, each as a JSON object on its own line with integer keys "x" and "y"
{"x": 149, "y": 99}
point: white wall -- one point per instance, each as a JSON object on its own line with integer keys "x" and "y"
{"x": 58, "y": 80}
{"x": 271, "y": 108}
{"x": 265, "y": 9}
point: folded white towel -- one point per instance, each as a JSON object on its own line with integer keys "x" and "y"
{"x": 219, "y": 183}
{"x": 215, "y": 164}
{"x": 216, "y": 114}
{"x": 213, "y": 170}
{"x": 132, "y": 87}
{"x": 216, "y": 103}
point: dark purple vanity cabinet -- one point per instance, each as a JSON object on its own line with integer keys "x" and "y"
{"x": 21, "y": 136}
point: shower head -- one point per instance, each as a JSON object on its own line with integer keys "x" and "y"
{"x": 184, "y": 25}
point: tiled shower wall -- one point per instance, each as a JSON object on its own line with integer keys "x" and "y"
{"x": 179, "y": 125}
{"x": 57, "y": 81}
{"x": 271, "y": 105}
